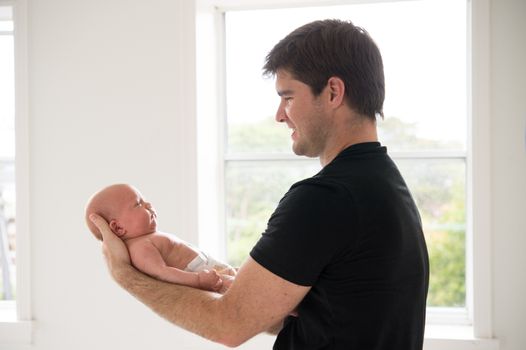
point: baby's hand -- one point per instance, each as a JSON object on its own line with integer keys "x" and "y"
{"x": 227, "y": 282}
{"x": 209, "y": 280}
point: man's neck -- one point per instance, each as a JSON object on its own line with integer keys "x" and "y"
{"x": 360, "y": 130}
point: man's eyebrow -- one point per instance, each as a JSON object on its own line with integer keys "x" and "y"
{"x": 285, "y": 92}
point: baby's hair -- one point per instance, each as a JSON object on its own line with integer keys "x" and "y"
{"x": 99, "y": 204}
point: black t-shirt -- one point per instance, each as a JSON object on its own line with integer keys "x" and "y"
{"x": 353, "y": 233}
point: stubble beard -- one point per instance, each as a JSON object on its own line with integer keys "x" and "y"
{"x": 312, "y": 139}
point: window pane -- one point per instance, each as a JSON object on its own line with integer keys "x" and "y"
{"x": 7, "y": 230}
{"x": 253, "y": 190}
{"x": 7, "y": 105}
{"x": 259, "y": 136}
{"x": 6, "y": 15}
{"x": 425, "y": 110}
{"x": 6, "y": 26}
{"x": 425, "y": 70}
{"x": 7, "y": 168}
{"x": 439, "y": 189}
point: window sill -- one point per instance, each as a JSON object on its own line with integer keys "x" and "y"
{"x": 436, "y": 337}
{"x": 13, "y": 331}
{"x": 439, "y": 337}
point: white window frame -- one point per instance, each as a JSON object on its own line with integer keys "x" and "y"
{"x": 445, "y": 327}
{"x": 17, "y": 329}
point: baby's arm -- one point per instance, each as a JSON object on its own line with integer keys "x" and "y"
{"x": 147, "y": 258}
{"x": 210, "y": 280}
{"x": 227, "y": 282}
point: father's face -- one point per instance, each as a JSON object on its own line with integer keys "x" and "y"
{"x": 304, "y": 113}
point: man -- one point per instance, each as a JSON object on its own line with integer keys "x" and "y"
{"x": 343, "y": 262}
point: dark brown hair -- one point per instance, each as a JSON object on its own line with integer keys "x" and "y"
{"x": 320, "y": 50}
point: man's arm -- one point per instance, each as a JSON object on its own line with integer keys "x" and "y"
{"x": 256, "y": 301}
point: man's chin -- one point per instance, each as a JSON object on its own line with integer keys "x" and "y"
{"x": 297, "y": 149}
{"x": 301, "y": 151}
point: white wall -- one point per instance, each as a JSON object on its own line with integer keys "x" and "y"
{"x": 112, "y": 98}
{"x": 508, "y": 158}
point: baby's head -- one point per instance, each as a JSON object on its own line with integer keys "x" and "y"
{"x": 123, "y": 207}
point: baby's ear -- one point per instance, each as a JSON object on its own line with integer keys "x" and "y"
{"x": 116, "y": 228}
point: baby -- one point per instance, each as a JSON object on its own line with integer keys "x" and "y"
{"x": 157, "y": 254}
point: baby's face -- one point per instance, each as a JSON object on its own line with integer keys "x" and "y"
{"x": 136, "y": 216}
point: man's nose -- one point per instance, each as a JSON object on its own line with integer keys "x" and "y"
{"x": 280, "y": 114}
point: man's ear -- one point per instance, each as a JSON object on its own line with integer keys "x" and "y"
{"x": 336, "y": 91}
{"x": 117, "y": 228}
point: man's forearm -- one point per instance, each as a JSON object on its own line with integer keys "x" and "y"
{"x": 254, "y": 302}
{"x": 192, "y": 309}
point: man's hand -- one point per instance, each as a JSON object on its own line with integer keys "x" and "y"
{"x": 113, "y": 248}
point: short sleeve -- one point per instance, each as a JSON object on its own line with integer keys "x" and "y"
{"x": 310, "y": 227}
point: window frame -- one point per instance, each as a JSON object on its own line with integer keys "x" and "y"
{"x": 473, "y": 327}
{"x": 17, "y": 328}
{"x": 6, "y": 306}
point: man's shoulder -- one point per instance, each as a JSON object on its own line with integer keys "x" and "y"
{"x": 317, "y": 186}
{"x": 314, "y": 196}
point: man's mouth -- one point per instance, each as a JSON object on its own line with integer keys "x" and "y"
{"x": 293, "y": 132}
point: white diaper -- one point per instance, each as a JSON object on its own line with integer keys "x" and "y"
{"x": 205, "y": 262}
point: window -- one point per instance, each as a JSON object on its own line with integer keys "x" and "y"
{"x": 7, "y": 158}
{"x": 436, "y": 80}
{"x": 15, "y": 327}
{"x": 424, "y": 127}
